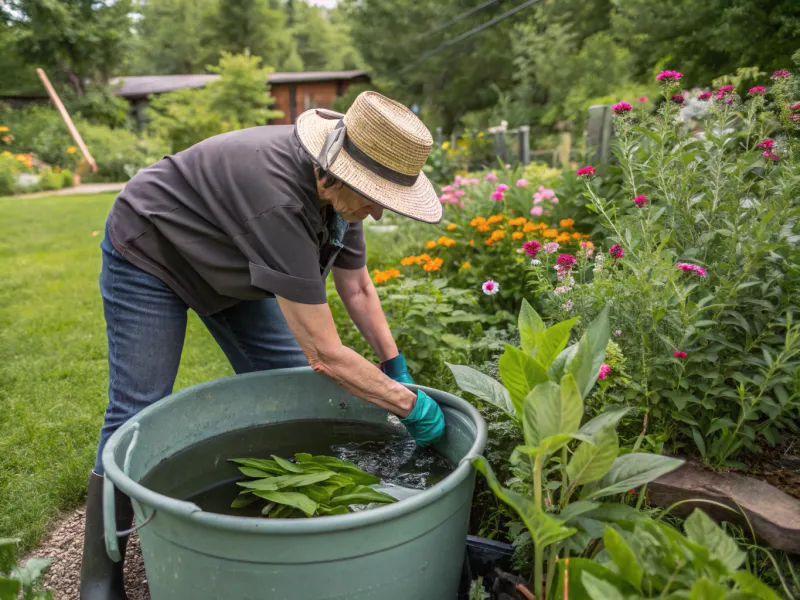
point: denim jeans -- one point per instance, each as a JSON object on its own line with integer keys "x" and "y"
{"x": 146, "y": 326}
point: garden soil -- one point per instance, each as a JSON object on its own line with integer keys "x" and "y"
{"x": 64, "y": 544}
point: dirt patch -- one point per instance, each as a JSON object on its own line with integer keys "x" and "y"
{"x": 64, "y": 544}
{"x": 779, "y": 466}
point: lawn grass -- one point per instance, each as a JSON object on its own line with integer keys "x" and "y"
{"x": 53, "y": 371}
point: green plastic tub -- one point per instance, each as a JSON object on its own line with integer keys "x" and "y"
{"x": 410, "y": 550}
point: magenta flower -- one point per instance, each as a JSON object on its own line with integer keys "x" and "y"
{"x": 766, "y": 144}
{"x": 490, "y": 288}
{"x": 669, "y": 76}
{"x": 720, "y": 95}
{"x": 770, "y": 155}
{"x": 781, "y": 74}
{"x": 501, "y": 187}
{"x": 616, "y": 251}
{"x": 679, "y": 354}
{"x": 640, "y": 200}
{"x": 537, "y": 211}
{"x": 585, "y": 171}
{"x": 604, "y": 371}
{"x": 701, "y": 271}
{"x": 757, "y": 90}
{"x": 620, "y": 108}
{"x": 491, "y": 177}
{"x": 677, "y": 99}
{"x": 704, "y": 96}
{"x": 497, "y": 196}
{"x": 531, "y": 248}
{"x": 727, "y": 89}
{"x": 689, "y": 267}
{"x": 795, "y": 106}
{"x": 447, "y": 189}
{"x": 550, "y": 247}
{"x": 643, "y": 99}
{"x": 565, "y": 261}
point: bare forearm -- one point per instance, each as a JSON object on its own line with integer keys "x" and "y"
{"x": 366, "y": 312}
{"x": 361, "y": 378}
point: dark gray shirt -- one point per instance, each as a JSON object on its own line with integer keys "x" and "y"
{"x": 235, "y": 217}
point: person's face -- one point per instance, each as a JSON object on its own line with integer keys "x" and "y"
{"x": 350, "y": 205}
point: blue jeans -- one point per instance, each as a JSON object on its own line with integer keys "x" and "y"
{"x": 146, "y": 326}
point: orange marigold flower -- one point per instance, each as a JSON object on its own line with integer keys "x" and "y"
{"x": 586, "y": 236}
{"x": 20, "y": 157}
{"x": 424, "y": 257}
{"x": 477, "y": 221}
{"x": 518, "y": 221}
{"x": 471, "y": 242}
{"x": 497, "y": 234}
{"x": 72, "y": 150}
{"x": 529, "y": 227}
{"x": 7, "y": 138}
{"x": 484, "y": 227}
{"x": 3, "y": 128}
{"x": 566, "y": 222}
{"x": 517, "y": 235}
{"x": 494, "y": 219}
{"x": 433, "y": 265}
{"x": 587, "y": 245}
{"x": 393, "y": 272}
{"x": 445, "y": 241}
{"x": 451, "y": 226}
{"x": 563, "y": 237}
{"x": 550, "y": 233}
{"x": 466, "y": 265}
{"x": 576, "y": 236}
{"x": 430, "y": 245}
{"x": 410, "y": 260}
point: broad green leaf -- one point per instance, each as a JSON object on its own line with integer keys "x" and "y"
{"x": 720, "y": 424}
{"x": 630, "y": 471}
{"x": 520, "y": 373}
{"x": 7, "y": 560}
{"x": 29, "y": 572}
{"x": 705, "y": 589}
{"x": 293, "y": 499}
{"x": 552, "y": 410}
{"x": 608, "y": 418}
{"x": 553, "y": 341}
{"x": 585, "y": 364}
{"x": 699, "y": 528}
{"x": 287, "y": 481}
{"x": 288, "y": 466}
{"x": 270, "y": 466}
{"x": 549, "y": 445}
{"x": 321, "y": 492}
{"x": 359, "y": 494}
{"x": 576, "y": 567}
{"x": 543, "y": 529}
{"x": 531, "y": 327}
{"x": 257, "y": 473}
{"x": 332, "y": 510}
{"x": 599, "y": 589}
{"x": 591, "y": 462}
{"x": 245, "y": 498}
{"x": 750, "y": 584}
{"x": 558, "y": 367}
{"x": 576, "y": 509}
{"x": 9, "y": 588}
{"x": 484, "y": 387}
{"x": 624, "y": 558}
{"x": 342, "y": 467}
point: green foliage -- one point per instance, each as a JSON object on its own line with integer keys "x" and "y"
{"x": 50, "y": 179}
{"x": 546, "y": 478}
{"x": 8, "y": 175}
{"x": 714, "y": 203}
{"x": 310, "y": 486}
{"x": 238, "y": 99}
{"x": 21, "y": 581}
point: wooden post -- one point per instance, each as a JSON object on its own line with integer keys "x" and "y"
{"x": 524, "y": 144}
{"x": 65, "y": 115}
{"x": 599, "y": 131}
{"x": 439, "y": 137}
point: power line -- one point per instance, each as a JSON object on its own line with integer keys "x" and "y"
{"x": 467, "y": 34}
{"x": 456, "y": 19}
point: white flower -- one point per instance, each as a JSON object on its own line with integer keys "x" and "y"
{"x": 490, "y": 288}
{"x": 568, "y": 305}
{"x": 536, "y": 262}
{"x": 618, "y": 333}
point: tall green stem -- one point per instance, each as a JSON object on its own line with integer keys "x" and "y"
{"x": 538, "y": 551}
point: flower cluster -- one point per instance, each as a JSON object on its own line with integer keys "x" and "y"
{"x": 551, "y": 247}
{"x": 616, "y": 251}
{"x": 766, "y": 144}
{"x": 586, "y": 171}
{"x": 381, "y": 276}
{"x": 677, "y": 99}
{"x": 540, "y": 196}
{"x": 757, "y": 90}
{"x": 640, "y": 200}
{"x": 690, "y": 267}
{"x": 704, "y": 96}
{"x": 565, "y": 261}
{"x": 621, "y": 108}
{"x": 781, "y": 74}
{"x": 604, "y": 371}
{"x": 669, "y": 75}
{"x": 531, "y": 248}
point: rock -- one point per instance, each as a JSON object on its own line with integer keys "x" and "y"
{"x": 774, "y": 515}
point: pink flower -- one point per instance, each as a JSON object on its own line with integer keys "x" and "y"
{"x": 497, "y": 196}
{"x": 679, "y": 354}
{"x": 584, "y": 171}
{"x": 568, "y": 305}
{"x": 459, "y": 193}
{"x": 704, "y": 96}
{"x": 536, "y": 211}
{"x": 604, "y": 371}
{"x": 460, "y": 205}
{"x": 766, "y": 144}
{"x": 565, "y": 261}
{"x": 720, "y": 95}
{"x": 562, "y": 289}
{"x": 689, "y": 267}
{"x": 795, "y": 106}
{"x": 620, "y": 108}
{"x": 546, "y": 192}
{"x": 669, "y": 76}
{"x": 701, "y": 271}
{"x": 781, "y": 74}
{"x": 677, "y": 99}
{"x": 757, "y": 90}
{"x": 616, "y": 251}
{"x": 531, "y": 248}
{"x": 447, "y": 189}
{"x": 727, "y": 89}
{"x": 640, "y": 200}
{"x": 550, "y": 247}
{"x": 490, "y": 288}
{"x": 491, "y": 177}
{"x": 643, "y": 99}
{"x": 522, "y": 183}
{"x": 508, "y": 166}
{"x": 773, "y": 157}
{"x": 501, "y": 187}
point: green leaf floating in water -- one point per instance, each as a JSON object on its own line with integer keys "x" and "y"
{"x": 310, "y": 486}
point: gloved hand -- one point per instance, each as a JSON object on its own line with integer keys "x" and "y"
{"x": 426, "y": 421}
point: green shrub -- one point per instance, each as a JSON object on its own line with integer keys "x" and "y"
{"x": 8, "y": 175}
{"x": 67, "y": 178}
{"x": 51, "y": 179}
{"x": 119, "y": 153}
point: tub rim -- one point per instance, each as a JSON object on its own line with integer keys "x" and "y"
{"x": 190, "y": 511}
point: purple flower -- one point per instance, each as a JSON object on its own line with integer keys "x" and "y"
{"x": 669, "y": 76}
{"x": 616, "y": 251}
{"x": 620, "y": 108}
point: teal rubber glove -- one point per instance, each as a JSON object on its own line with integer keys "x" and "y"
{"x": 426, "y": 421}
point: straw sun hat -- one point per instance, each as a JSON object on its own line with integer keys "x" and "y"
{"x": 378, "y": 149}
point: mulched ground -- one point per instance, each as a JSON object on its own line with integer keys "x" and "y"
{"x": 779, "y": 466}
{"x": 64, "y": 545}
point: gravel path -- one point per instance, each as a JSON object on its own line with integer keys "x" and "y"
{"x": 64, "y": 545}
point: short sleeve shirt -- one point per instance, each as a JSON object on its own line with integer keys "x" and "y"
{"x": 235, "y": 217}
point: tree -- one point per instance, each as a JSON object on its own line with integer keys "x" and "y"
{"x": 322, "y": 38}
{"x": 76, "y": 40}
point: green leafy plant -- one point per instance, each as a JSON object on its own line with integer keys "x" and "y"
{"x": 644, "y": 558}
{"x": 25, "y": 578}
{"x": 565, "y": 471}
{"x": 310, "y": 486}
